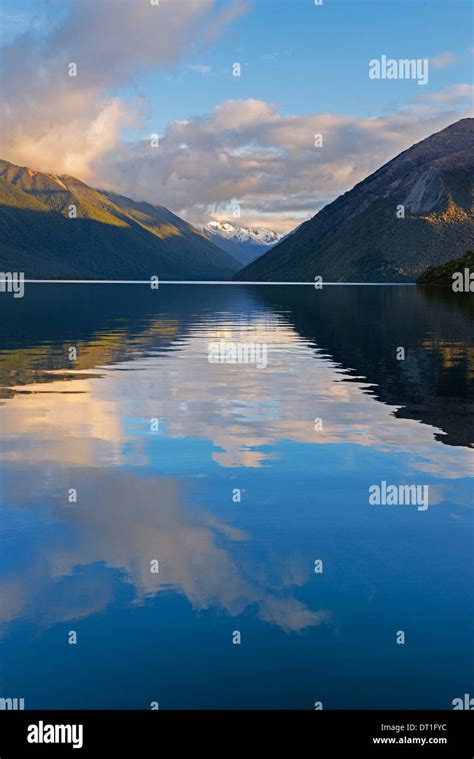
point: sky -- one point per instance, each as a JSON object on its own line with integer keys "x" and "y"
{"x": 156, "y": 112}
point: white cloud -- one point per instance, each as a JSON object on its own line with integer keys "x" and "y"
{"x": 198, "y": 68}
{"x": 56, "y": 122}
{"x": 451, "y": 95}
{"x": 246, "y": 152}
{"x": 443, "y": 60}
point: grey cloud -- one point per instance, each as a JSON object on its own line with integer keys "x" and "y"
{"x": 246, "y": 152}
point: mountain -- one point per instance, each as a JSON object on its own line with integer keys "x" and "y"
{"x": 243, "y": 243}
{"x": 443, "y": 274}
{"x": 360, "y": 237}
{"x": 113, "y": 237}
{"x": 430, "y": 386}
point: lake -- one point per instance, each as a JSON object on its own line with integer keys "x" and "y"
{"x": 185, "y": 497}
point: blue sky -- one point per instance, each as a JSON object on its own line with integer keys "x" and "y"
{"x": 245, "y": 140}
{"x": 307, "y": 58}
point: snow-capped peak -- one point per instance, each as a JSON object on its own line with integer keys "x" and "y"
{"x": 236, "y": 233}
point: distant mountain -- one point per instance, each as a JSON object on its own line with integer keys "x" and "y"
{"x": 112, "y": 236}
{"x": 361, "y": 235}
{"x": 243, "y": 243}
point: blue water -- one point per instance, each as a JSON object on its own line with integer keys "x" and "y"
{"x": 227, "y": 565}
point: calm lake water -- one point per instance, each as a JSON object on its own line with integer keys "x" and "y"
{"x": 169, "y": 491}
